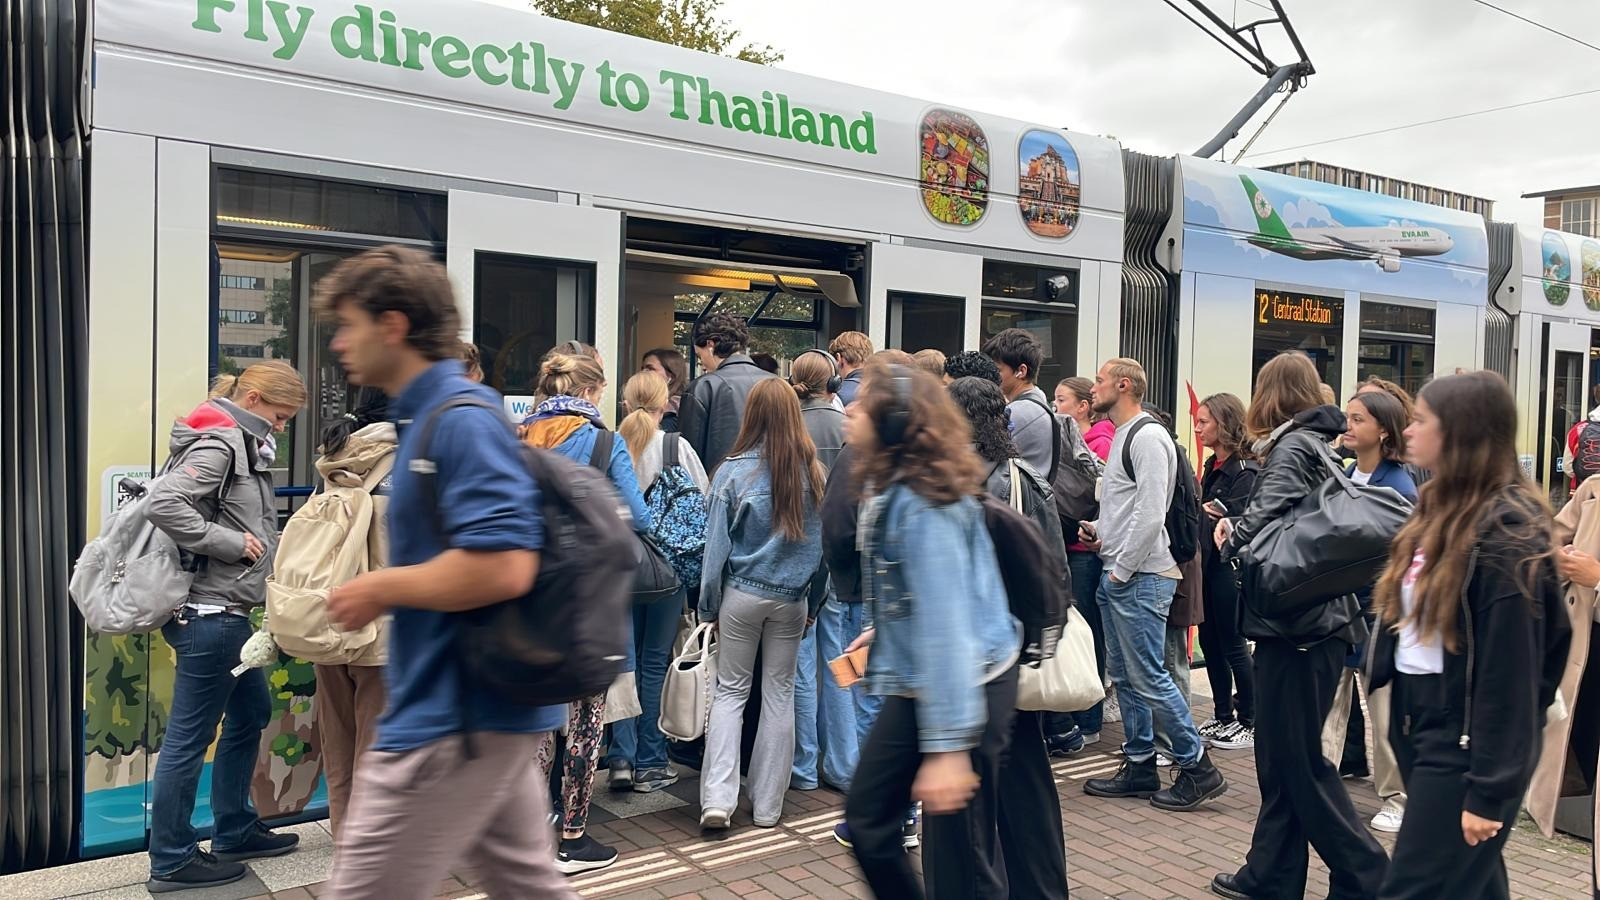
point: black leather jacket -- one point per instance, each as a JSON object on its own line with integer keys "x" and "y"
{"x": 1232, "y": 483}
{"x": 713, "y": 408}
{"x": 1294, "y": 465}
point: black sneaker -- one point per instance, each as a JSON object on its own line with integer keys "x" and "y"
{"x": 1193, "y": 786}
{"x": 1226, "y": 884}
{"x": 261, "y": 844}
{"x": 204, "y": 871}
{"x": 1134, "y": 779}
{"x": 584, "y": 854}
{"x": 621, "y": 776}
{"x": 1067, "y": 744}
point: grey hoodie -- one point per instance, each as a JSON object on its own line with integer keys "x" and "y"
{"x": 218, "y": 442}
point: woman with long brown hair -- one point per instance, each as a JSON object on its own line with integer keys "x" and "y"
{"x": 674, "y": 369}
{"x": 945, "y": 663}
{"x": 1229, "y": 478}
{"x": 1298, "y": 658}
{"x": 1474, "y": 638}
{"x": 763, "y": 546}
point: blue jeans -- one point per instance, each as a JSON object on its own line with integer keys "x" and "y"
{"x": 1085, "y": 569}
{"x": 204, "y": 693}
{"x": 806, "y": 726}
{"x": 845, "y": 714}
{"x": 1135, "y": 616}
{"x": 638, "y": 741}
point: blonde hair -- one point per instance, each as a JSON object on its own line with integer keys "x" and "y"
{"x": 1122, "y": 367}
{"x": 571, "y": 376}
{"x": 277, "y": 383}
{"x": 646, "y": 395}
{"x": 931, "y": 361}
{"x": 851, "y": 347}
{"x": 809, "y": 373}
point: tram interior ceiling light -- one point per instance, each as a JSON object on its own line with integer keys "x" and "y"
{"x": 715, "y": 282}
{"x": 268, "y": 223}
{"x": 837, "y": 287}
{"x": 256, "y": 254}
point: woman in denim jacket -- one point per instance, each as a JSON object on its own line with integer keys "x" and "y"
{"x": 763, "y": 545}
{"x": 944, "y": 643}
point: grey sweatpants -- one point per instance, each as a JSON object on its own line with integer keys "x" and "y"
{"x": 745, "y": 623}
{"x": 416, "y": 813}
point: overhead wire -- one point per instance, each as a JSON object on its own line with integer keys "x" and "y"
{"x": 1555, "y": 31}
{"x": 1394, "y": 128}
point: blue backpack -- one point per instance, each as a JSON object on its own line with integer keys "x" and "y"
{"x": 678, "y": 515}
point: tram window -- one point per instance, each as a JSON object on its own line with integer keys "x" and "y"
{"x": 247, "y": 198}
{"x": 1396, "y": 344}
{"x": 1294, "y": 320}
{"x": 923, "y": 321}
{"x": 263, "y": 313}
{"x": 1057, "y": 331}
{"x": 523, "y": 308}
{"x": 789, "y": 323}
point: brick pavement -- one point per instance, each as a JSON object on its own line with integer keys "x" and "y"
{"x": 1115, "y": 848}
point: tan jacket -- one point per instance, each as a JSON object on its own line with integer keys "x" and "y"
{"x": 1577, "y": 524}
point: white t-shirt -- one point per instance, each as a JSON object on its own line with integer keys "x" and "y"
{"x": 1413, "y": 656}
{"x": 1360, "y": 477}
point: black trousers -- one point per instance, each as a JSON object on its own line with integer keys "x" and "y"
{"x": 1431, "y": 858}
{"x": 1227, "y": 655}
{"x": 1302, "y": 800}
{"x": 1031, "y": 837}
{"x": 960, "y": 856}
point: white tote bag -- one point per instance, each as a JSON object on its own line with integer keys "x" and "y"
{"x": 686, "y": 694}
{"x": 1068, "y": 681}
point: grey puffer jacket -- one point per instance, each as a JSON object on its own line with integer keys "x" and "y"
{"x": 218, "y": 444}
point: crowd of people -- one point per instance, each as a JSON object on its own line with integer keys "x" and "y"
{"x": 837, "y": 513}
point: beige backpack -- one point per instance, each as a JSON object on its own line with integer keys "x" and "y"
{"x": 337, "y": 535}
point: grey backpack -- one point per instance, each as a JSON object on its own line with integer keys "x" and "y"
{"x": 132, "y": 577}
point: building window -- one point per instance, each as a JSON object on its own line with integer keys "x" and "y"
{"x": 241, "y": 283}
{"x": 1295, "y": 320}
{"x": 1578, "y": 216}
{"x": 1396, "y": 344}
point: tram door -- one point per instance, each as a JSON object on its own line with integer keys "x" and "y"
{"x": 1564, "y": 403}
{"x": 530, "y": 274}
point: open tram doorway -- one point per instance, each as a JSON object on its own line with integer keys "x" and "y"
{"x": 795, "y": 292}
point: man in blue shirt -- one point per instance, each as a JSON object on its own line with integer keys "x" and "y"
{"x": 422, "y": 801}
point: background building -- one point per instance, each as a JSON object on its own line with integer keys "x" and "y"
{"x": 1383, "y": 184}
{"x": 1575, "y": 210}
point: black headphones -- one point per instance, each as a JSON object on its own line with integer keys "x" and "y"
{"x": 834, "y": 380}
{"x": 895, "y": 420}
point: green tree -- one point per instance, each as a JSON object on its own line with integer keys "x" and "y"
{"x": 280, "y": 312}
{"x": 688, "y": 23}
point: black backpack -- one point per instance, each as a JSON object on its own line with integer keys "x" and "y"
{"x": 654, "y": 578}
{"x": 1586, "y": 458}
{"x": 1034, "y": 575}
{"x": 1073, "y": 477}
{"x": 565, "y": 639}
{"x": 1183, "y": 512}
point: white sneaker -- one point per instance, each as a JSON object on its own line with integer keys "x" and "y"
{"x": 1388, "y": 820}
{"x": 1091, "y": 737}
{"x": 1210, "y": 727}
{"x": 1163, "y": 761}
{"x": 1113, "y": 711}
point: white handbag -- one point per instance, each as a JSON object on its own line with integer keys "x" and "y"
{"x": 622, "y": 699}
{"x": 1068, "y": 681}
{"x": 686, "y": 694}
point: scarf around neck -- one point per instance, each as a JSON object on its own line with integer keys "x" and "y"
{"x": 557, "y": 418}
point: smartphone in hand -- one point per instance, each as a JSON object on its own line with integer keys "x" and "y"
{"x": 1216, "y": 508}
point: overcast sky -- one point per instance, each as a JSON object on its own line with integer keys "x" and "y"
{"x": 1137, "y": 70}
